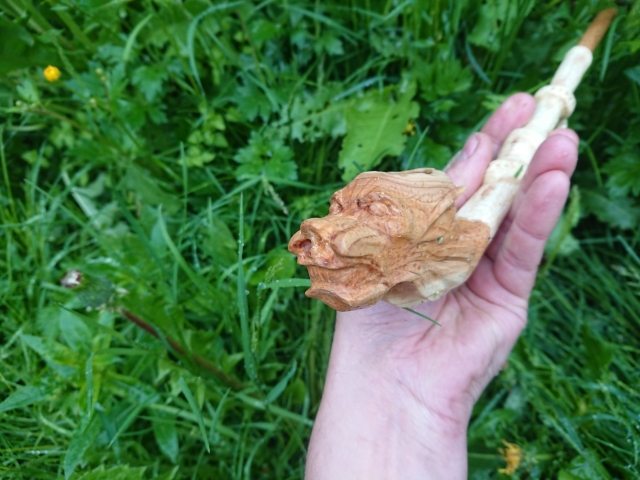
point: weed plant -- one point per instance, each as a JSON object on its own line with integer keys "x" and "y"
{"x": 177, "y": 153}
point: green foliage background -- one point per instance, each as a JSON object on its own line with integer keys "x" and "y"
{"x": 179, "y": 151}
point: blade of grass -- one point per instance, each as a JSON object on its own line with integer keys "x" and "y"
{"x": 214, "y": 437}
{"x": 607, "y": 47}
{"x": 421, "y": 315}
{"x": 197, "y": 280}
{"x": 191, "y": 33}
{"x": 281, "y": 385}
{"x": 243, "y": 308}
{"x": 285, "y": 282}
{"x": 126, "y": 53}
{"x": 196, "y": 411}
{"x": 135, "y": 410}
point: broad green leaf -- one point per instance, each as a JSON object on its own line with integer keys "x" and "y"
{"x": 149, "y": 79}
{"x": 218, "y": 243}
{"x": 48, "y": 321}
{"x": 24, "y": 396}
{"x": 148, "y": 190}
{"x": 27, "y": 91}
{"x": 89, "y": 148}
{"x": 80, "y": 442}
{"x": 297, "y": 390}
{"x": 280, "y": 264}
{"x": 620, "y": 212}
{"x": 561, "y": 242}
{"x": 197, "y": 157}
{"x": 51, "y": 350}
{"x": 443, "y": 77}
{"x": 121, "y": 472}
{"x": 170, "y": 321}
{"x": 252, "y": 102}
{"x": 74, "y": 331}
{"x": 18, "y": 49}
{"x": 91, "y": 290}
{"x": 585, "y": 467}
{"x": 426, "y": 153}
{"x": 110, "y": 53}
{"x": 564, "y": 475}
{"x": 266, "y": 156}
{"x": 375, "y": 127}
{"x": 633, "y": 74}
{"x": 131, "y": 114}
{"x": 32, "y": 157}
{"x": 329, "y": 42}
{"x": 495, "y": 21}
{"x": 624, "y": 172}
{"x": 600, "y": 352}
{"x": 262, "y": 30}
{"x": 170, "y": 475}
{"x": 316, "y": 116}
{"x": 164, "y": 430}
{"x": 62, "y": 135}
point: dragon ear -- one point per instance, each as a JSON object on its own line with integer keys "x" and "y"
{"x": 441, "y": 216}
{"x": 448, "y": 201}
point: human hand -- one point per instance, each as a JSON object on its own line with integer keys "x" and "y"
{"x": 399, "y": 389}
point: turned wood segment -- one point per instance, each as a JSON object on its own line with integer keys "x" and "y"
{"x": 598, "y": 27}
{"x": 554, "y": 104}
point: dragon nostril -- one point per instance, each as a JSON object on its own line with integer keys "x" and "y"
{"x": 305, "y": 246}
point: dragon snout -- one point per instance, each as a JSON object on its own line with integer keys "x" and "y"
{"x": 325, "y": 243}
{"x": 311, "y": 243}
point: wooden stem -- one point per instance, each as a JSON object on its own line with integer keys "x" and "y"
{"x": 555, "y": 103}
{"x": 598, "y": 27}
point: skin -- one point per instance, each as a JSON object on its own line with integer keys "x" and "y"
{"x": 400, "y": 390}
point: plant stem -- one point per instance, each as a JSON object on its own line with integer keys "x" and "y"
{"x": 215, "y": 371}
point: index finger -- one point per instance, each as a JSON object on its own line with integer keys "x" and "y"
{"x": 514, "y": 113}
{"x": 469, "y": 165}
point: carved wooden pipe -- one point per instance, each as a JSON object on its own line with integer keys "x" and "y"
{"x": 397, "y": 236}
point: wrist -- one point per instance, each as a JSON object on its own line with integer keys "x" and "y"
{"x": 392, "y": 362}
{"x": 381, "y": 368}
{"x": 372, "y": 424}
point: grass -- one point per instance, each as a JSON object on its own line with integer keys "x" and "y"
{"x": 178, "y": 153}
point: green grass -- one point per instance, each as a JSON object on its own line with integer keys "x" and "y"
{"x": 178, "y": 153}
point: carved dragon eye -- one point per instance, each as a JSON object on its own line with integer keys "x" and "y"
{"x": 379, "y": 209}
{"x": 335, "y": 208}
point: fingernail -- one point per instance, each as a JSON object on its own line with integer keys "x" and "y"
{"x": 515, "y": 102}
{"x": 470, "y": 146}
{"x": 565, "y": 132}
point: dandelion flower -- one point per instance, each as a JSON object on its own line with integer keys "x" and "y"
{"x": 51, "y": 73}
{"x": 512, "y": 455}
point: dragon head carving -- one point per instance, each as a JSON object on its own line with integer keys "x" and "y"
{"x": 390, "y": 236}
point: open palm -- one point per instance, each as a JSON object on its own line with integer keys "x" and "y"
{"x": 385, "y": 357}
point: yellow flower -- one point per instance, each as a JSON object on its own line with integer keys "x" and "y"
{"x": 51, "y": 73}
{"x": 512, "y": 455}
{"x": 410, "y": 129}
